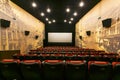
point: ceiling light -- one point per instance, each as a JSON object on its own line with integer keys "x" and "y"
{"x": 46, "y": 19}
{"x": 71, "y": 19}
{"x": 49, "y": 22}
{"x": 81, "y": 4}
{"x": 42, "y": 14}
{"x": 70, "y": 22}
{"x": 48, "y": 10}
{"x": 54, "y": 21}
{"x": 34, "y": 4}
{"x": 75, "y": 13}
{"x": 67, "y": 10}
{"x": 65, "y": 20}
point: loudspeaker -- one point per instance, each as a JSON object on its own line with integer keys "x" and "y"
{"x": 27, "y": 33}
{"x": 36, "y": 37}
{"x": 80, "y": 37}
{"x": 107, "y": 23}
{"x": 4, "y": 23}
{"x": 88, "y": 33}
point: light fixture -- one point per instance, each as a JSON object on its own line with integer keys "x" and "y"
{"x": 70, "y": 22}
{"x": 49, "y": 22}
{"x": 34, "y": 4}
{"x": 48, "y": 10}
{"x": 75, "y": 13}
{"x": 42, "y": 14}
{"x": 68, "y": 10}
{"x": 81, "y": 4}
{"x": 65, "y": 20}
{"x": 71, "y": 19}
{"x": 54, "y": 21}
{"x": 46, "y": 19}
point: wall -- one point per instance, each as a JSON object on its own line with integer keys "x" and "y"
{"x": 101, "y": 38}
{"x": 60, "y": 27}
{"x": 13, "y": 37}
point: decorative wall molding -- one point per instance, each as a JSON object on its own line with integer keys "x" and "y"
{"x": 6, "y": 8}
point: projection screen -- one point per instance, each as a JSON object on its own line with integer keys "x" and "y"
{"x": 60, "y": 37}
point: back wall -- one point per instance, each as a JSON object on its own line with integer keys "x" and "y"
{"x": 59, "y": 28}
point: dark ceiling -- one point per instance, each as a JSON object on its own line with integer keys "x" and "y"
{"x": 58, "y": 9}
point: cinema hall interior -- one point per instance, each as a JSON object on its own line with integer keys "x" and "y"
{"x": 59, "y": 39}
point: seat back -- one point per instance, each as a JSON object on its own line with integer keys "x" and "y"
{"x": 1, "y": 76}
{"x": 53, "y": 69}
{"x": 31, "y": 69}
{"x": 76, "y": 70}
{"x": 99, "y": 70}
{"x": 31, "y": 57}
{"x": 10, "y": 69}
{"x": 116, "y": 70}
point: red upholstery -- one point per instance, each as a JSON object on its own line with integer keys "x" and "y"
{"x": 11, "y": 60}
{"x": 116, "y": 71}
{"x": 10, "y": 69}
{"x": 53, "y": 61}
{"x": 31, "y": 69}
{"x": 75, "y": 70}
{"x": 56, "y": 54}
{"x": 75, "y": 61}
{"x": 31, "y": 61}
{"x": 45, "y": 54}
{"x": 115, "y": 63}
{"x": 69, "y": 54}
{"x": 53, "y": 69}
{"x": 97, "y": 63}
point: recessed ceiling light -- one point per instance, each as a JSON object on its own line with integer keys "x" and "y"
{"x": 48, "y": 10}
{"x": 68, "y": 10}
{"x": 54, "y": 21}
{"x": 46, "y": 19}
{"x": 42, "y": 14}
{"x": 34, "y": 4}
{"x": 65, "y": 20}
{"x": 70, "y": 22}
{"x": 81, "y": 4}
{"x": 75, "y": 13}
{"x": 71, "y": 19}
{"x": 49, "y": 22}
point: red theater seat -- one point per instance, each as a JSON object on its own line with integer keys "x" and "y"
{"x": 10, "y": 69}
{"x": 18, "y": 56}
{"x": 30, "y": 57}
{"x": 57, "y": 56}
{"x": 31, "y": 69}
{"x": 44, "y": 56}
{"x": 116, "y": 70}
{"x": 75, "y": 70}
{"x": 99, "y": 70}
{"x": 53, "y": 69}
{"x": 82, "y": 56}
{"x": 70, "y": 56}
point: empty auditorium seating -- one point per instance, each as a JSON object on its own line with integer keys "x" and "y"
{"x": 18, "y": 56}
{"x": 82, "y": 56}
{"x": 57, "y": 56}
{"x": 31, "y": 57}
{"x": 116, "y": 71}
{"x": 70, "y": 56}
{"x": 44, "y": 56}
{"x": 99, "y": 70}
{"x": 10, "y": 69}
{"x": 53, "y": 69}
{"x": 69, "y": 63}
{"x": 75, "y": 70}
{"x": 31, "y": 69}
